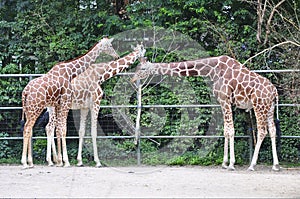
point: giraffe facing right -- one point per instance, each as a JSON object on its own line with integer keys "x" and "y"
{"x": 54, "y": 89}
{"x": 87, "y": 95}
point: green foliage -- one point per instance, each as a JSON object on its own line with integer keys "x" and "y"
{"x": 5, "y": 148}
{"x": 39, "y": 150}
{"x": 37, "y": 34}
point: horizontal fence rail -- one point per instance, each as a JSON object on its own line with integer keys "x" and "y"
{"x": 144, "y": 137}
{"x": 30, "y": 76}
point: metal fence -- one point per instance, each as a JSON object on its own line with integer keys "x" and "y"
{"x": 140, "y": 107}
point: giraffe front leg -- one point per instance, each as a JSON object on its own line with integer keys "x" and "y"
{"x": 49, "y": 143}
{"x": 65, "y": 152}
{"x": 50, "y": 128}
{"x": 51, "y": 146}
{"x": 63, "y": 129}
{"x": 232, "y": 155}
{"x": 94, "y": 116}
{"x": 229, "y": 135}
{"x": 59, "y": 162}
{"x": 83, "y": 116}
{"x": 48, "y": 156}
{"x": 225, "y": 156}
{"x": 54, "y": 153}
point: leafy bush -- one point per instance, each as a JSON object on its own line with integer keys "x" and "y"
{"x": 35, "y": 37}
{"x": 5, "y": 148}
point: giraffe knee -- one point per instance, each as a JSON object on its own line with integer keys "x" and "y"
{"x": 262, "y": 134}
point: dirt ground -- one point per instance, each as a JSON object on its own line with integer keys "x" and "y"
{"x": 145, "y": 181}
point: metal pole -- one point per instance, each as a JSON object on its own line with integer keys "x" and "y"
{"x": 138, "y": 122}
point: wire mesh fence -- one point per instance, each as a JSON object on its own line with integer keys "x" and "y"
{"x": 177, "y": 114}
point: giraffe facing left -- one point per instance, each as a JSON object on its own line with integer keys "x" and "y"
{"x": 54, "y": 89}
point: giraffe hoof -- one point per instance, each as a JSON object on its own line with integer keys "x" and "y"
{"x": 231, "y": 168}
{"x": 55, "y": 159}
{"x": 276, "y": 167}
{"x": 98, "y": 165}
{"x": 30, "y": 165}
{"x": 224, "y": 166}
{"x": 251, "y": 168}
{"x": 79, "y": 165}
{"x": 59, "y": 164}
{"x": 25, "y": 167}
{"x": 50, "y": 164}
{"x": 67, "y": 165}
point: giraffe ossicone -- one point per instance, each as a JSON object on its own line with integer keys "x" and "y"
{"x": 233, "y": 84}
{"x": 54, "y": 89}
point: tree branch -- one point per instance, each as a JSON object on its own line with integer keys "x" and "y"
{"x": 270, "y": 19}
{"x": 270, "y": 48}
{"x": 259, "y": 17}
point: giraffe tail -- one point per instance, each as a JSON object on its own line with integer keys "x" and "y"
{"x": 43, "y": 119}
{"x": 277, "y": 126}
{"x": 22, "y": 122}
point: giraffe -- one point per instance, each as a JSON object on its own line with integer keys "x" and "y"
{"x": 87, "y": 95}
{"x": 233, "y": 84}
{"x": 54, "y": 89}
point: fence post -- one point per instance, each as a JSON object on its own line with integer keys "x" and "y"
{"x": 138, "y": 120}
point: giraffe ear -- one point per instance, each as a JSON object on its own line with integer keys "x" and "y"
{"x": 138, "y": 67}
{"x": 143, "y": 60}
{"x": 111, "y": 40}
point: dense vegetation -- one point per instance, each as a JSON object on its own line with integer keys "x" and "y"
{"x": 36, "y": 34}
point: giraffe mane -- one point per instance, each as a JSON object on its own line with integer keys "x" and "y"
{"x": 82, "y": 55}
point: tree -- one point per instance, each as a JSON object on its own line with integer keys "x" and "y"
{"x": 36, "y": 34}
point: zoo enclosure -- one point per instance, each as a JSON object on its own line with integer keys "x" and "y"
{"x": 140, "y": 107}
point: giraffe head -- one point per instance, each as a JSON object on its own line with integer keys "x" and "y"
{"x": 140, "y": 50}
{"x": 106, "y": 47}
{"x": 143, "y": 70}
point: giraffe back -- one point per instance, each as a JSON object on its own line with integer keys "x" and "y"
{"x": 243, "y": 87}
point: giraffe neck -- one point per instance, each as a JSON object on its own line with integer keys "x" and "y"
{"x": 210, "y": 67}
{"x": 115, "y": 67}
{"x": 78, "y": 65}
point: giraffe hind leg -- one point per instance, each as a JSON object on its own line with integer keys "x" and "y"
{"x": 272, "y": 132}
{"x": 261, "y": 134}
{"x": 27, "y": 135}
{"x": 24, "y": 153}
